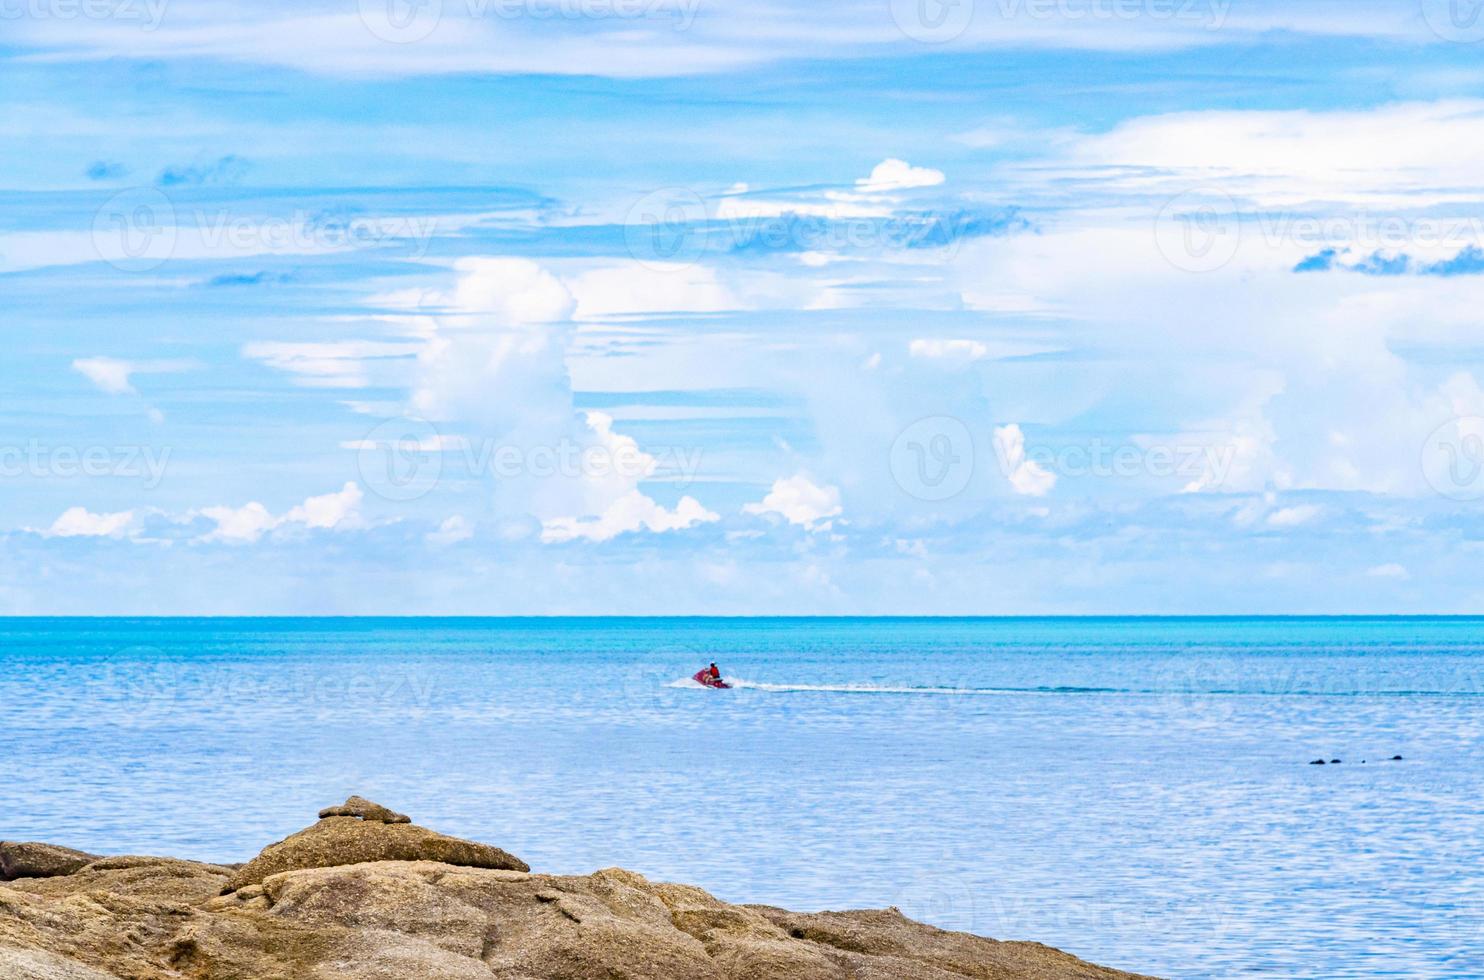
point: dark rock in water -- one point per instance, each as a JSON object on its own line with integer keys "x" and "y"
{"x": 1396, "y": 758}
{"x": 1317, "y": 762}
{"x": 1335, "y": 762}
{"x": 339, "y": 840}
{"x": 33, "y": 860}
{"x": 359, "y": 806}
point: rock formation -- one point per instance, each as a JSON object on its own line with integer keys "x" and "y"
{"x": 361, "y": 832}
{"x": 314, "y": 907}
{"x": 33, "y": 860}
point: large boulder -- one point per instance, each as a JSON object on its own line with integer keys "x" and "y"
{"x": 327, "y": 904}
{"x": 340, "y": 840}
{"x": 28, "y": 859}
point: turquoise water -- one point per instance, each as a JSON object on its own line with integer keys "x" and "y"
{"x": 1136, "y": 791}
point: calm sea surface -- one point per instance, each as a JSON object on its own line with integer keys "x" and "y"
{"x": 1136, "y": 791}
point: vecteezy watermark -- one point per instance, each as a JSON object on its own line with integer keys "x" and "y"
{"x": 410, "y": 21}
{"x": 1453, "y": 458}
{"x": 1203, "y": 228}
{"x": 933, "y": 458}
{"x": 404, "y": 459}
{"x": 1455, "y": 20}
{"x": 141, "y": 228}
{"x": 135, "y": 230}
{"x": 1199, "y": 230}
{"x": 146, "y": 13}
{"x": 38, "y": 461}
{"x": 152, "y": 683}
{"x": 941, "y": 21}
{"x": 401, "y": 459}
{"x": 1210, "y": 14}
{"x": 674, "y": 226}
{"x": 667, "y": 227}
{"x": 1208, "y": 462}
{"x": 944, "y": 900}
{"x": 932, "y": 21}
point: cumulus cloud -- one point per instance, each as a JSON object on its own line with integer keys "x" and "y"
{"x": 246, "y": 524}
{"x": 631, "y": 512}
{"x": 799, "y": 500}
{"x": 613, "y": 467}
{"x": 898, "y": 175}
{"x": 1026, "y": 476}
{"x": 79, "y": 522}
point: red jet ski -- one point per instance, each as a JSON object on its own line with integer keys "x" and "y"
{"x": 704, "y": 678}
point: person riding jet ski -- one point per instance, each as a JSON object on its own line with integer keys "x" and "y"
{"x": 711, "y": 677}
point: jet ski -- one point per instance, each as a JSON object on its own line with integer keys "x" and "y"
{"x": 704, "y": 678}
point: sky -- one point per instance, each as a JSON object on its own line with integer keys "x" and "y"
{"x": 537, "y": 307}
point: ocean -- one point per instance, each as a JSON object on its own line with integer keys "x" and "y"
{"x": 1136, "y": 791}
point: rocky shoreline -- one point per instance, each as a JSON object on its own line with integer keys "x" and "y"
{"x": 365, "y": 894}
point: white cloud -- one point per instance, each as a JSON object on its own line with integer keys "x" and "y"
{"x": 453, "y": 530}
{"x": 115, "y": 376}
{"x": 333, "y": 364}
{"x": 340, "y": 509}
{"x": 898, "y": 175}
{"x": 1026, "y": 476}
{"x": 79, "y": 522}
{"x": 631, "y": 512}
{"x": 496, "y": 356}
{"x": 798, "y": 500}
{"x": 435, "y": 443}
{"x": 1406, "y": 154}
{"x": 963, "y": 351}
{"x": 612, "y": 503}
{"x": 1389, "y": 570}
{"x": 1293, "y": 516}
{"x": 243, "y": 524}
{"x": 107, "y": 374}
{"x": 650, "y": 287}
{"x": 670, "y": 38}
{"x": 248, "y": 523}
{"x": 949, "y": 350}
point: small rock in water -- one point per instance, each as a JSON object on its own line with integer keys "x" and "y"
{"x": 1317, "y": 762}
{"x": 1335, "y": 762}
{"x": 359, "y": 806}
{"x": 1396, "y": 758}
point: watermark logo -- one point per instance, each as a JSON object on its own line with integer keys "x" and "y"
{"x": 146, "y": 13}
{"x": 37, "y": 461}
{"x": 1453, "y": 459}
{"x": 401, "y": 21}
{"x": 401, "y": 459}
{"x": 1199, "y": 230}
{"x": 139, "y": 229}
{"x": 933, "y": 458}
{"x": 1455, "y": 20}
{"x": 1205, "y": 464}
{"x": 942, "y": 900}
{"x": 135, "y": 230}
{"x": 932, "y": 21}
{"x": 666, "y": 227}
{"x": 410, "y": 21}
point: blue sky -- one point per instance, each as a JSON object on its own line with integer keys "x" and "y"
{"x": 691, "y": 306}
